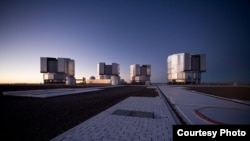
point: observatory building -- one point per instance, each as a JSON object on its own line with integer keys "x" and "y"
{"x": 106, "y": 71}
{"x": 140, "y": 74}
{"x": 107, "y": 74}
{"x": 61, "y": 70}
{"x": 185, "y": 68}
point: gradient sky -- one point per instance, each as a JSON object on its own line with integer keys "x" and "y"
{"x": 125, "y": 32}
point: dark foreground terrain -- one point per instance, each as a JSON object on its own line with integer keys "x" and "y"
{"x": 37, "y": 119}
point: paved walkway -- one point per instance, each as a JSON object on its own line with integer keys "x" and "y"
{"x": 198, "y": 108}
{"x": 107, "y": 126}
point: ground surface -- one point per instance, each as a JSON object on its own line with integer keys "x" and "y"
{"x": 42, "y": 119}
{"x": 38, "y": 119}
{"x": 199, "y": 108}
{"x": 232, "y": 92}
{"x": 119, "y": 124}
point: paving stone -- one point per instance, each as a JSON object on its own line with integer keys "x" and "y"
{"x": 107, "y": 126}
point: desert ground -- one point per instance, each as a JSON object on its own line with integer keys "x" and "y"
{"x": 40, "y": 119}
{"x": 227, "y": 91}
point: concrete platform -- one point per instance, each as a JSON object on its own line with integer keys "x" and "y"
{"x": 198, "y": 108}
{"x": 45, "y": 93}
{"x": 50, "y": 92}
{"x": 109, "y": 126}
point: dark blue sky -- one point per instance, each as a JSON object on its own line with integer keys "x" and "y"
{"x": 125, "y": 32}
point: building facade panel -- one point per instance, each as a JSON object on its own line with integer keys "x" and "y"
{"x": 108, "y": 69}
{"x": 100, "y": 68}
{"x": 52, "y": 65}
{"x": 43, "y": 65}
{"x": 202, "y": 62}
{"x": 115, "y": 69}
{"x": 71, "y": 68}
{"x": 61, "y": 65}
{"x": 148, "y": 70}
{"x": 195, "y": 62}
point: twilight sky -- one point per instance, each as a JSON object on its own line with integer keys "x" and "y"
{"x": 125, "y": 32}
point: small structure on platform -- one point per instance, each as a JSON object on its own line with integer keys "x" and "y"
{"x": 98, "y": 81}
{"x": 93, "y": 81}
{"x": 58, "y": 71}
